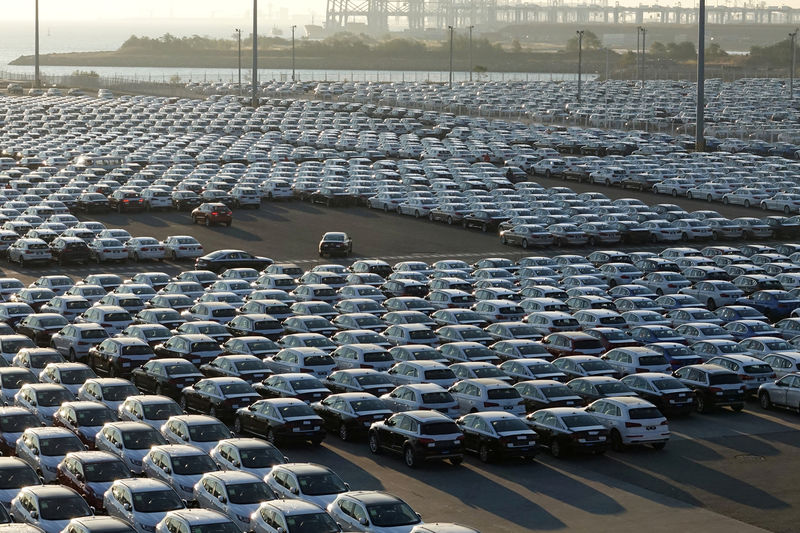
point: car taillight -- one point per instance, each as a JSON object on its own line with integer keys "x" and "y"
{"x": 745, "y": 377}
{"x": 632, "y": 425}
{"x": 714, "y": 389}
{"x": 229, "y": 402}
{"x": 306, "y": 370}
{"x": 125, "y": 201}
{"x": 663, "y": 423}
{"x": 424, "y": 440}
{"x": 773, "y": 375}
{"x": 491, "y": 404}
{"x": 214, "y": 213}
{"x": 83, "y": 343}
{"x": 671, "y": 285}
{"x": 362, "y": 365}
{"x": 642, "y": 370}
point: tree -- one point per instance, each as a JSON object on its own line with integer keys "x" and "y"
{"x": 516, "y": 47}
{"x": 715, "y": 51}
{"x": 590, "y": 42}
{"x": 658, "y": 49}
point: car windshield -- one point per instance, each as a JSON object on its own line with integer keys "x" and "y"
{"x": 667, "y": 384}
{"x": 611, "y": 388}
{"x": 439, "y": 373}
{"x": 262, "y": 346}
{"x": 209, "y": 432}
{"x": 63, "y": 508}
{"x": 106, "y": 471}
{"x": 17, "y": 423}
{"x": 439, "y": 428}
{"x": 41, "y": 361}
{"x": 117, "y": 317}
{"x": 75, "y": 377}
{"x": 730, "y": 348}
{"x": 119, "y": 393}
{"x": 678, "y": 351}
{"x": 53, "y": 446}
{"x": 52, "y": 398}
{"x": 156, "y": 501}
{"x": 137, "y": 349}
{"x": 15, "y": 477}
{"x": 473, "y": 353}
{"x": 216, "y": 527}
{"x": 362, "y": 406}
{"x": 260, "y": 457}
{"x": 577, "y": 421}
{"x": 509, "y": 424}
{"x": 94, "y": 417}
{"x": 236, "y": 388}
{"x": 290, "y": 411}
{"x": 94, "y": 334}
{"x": 13, "y": 346}
{"x": 161, "y": 411}
{"x": 641, "y": 413}
{"x": 306, "y": 384}
{"x": 187, "y": 465}
{"x": 392, "y": 514}
{"x": 665, "y": 333}
{"x": 311, "y": 523}
{"x": 504, "y": 393}
{"x": 142, "y": 439}
{"x": 17, "y": 380}
{"x": 245, "y": 493}
{"x": 318, "y": 484}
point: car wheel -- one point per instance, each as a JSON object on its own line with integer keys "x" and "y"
{"x": 416, "y": 214}
{"x": 674, "y": 193}
{"x": 409, "y": 457}
{"x": 711, "y": 304}
{"x": 449, "y": 221}
{"x": 455, "y": 461}
{"x": 21, "y": 262}
{"x": 659, "y": 292}
{"x": 119, "y": 208}
{"x": 385, "y": 208}
{"x": 786, "y": 210}
{"x": 653, "y": 238}
{"x": 212, "y": 411}
{"x": 430, "y": 217}
{"x": 714, "y": 236}
{"x": 547, "y": 173}
{"x": 747, "y": 203}
{"x": 227, "y": 224}
{"x": 194, "y": 220}
{"x": 271, "y": 436}
{"x": 159, "y": 390}
{"x": 112, "y": 371}
{"x": 484, "y": 228}
{"x": 700, "y": 404}
{"x": 483, "y": 454}
{"x": 344, "y": 433}
{"x": 591, "y": 241}
{"x": 71, "y": 356}
{"x": 608, "y": 182}
{"x": 237, "y": 426}
{"x": 208, "y": 222}
{"x": 725, "y": 200}
{"x": 685, "y": 237}
{"x": 503, "y": 239}
{"x": 525, "y": 243}
{"x": 616, "y": 441}
{"x": 555, "y": 449}
{"x": 689, "y": 195}
{"x": 764, "y": 400}
{"x": 659, "y": 445}
{"x": 136, "y": 257}
{"x": 374, "y": 444}
{"x": 708, "y": 198}
{"x": 183, "y": 404}
{"x": 737, "y": 408}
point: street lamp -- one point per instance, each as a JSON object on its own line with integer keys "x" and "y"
{"x": 239, "y": 36}
{"x": 293, "y": 27}
{"x": 580, "y": 58}
{"x": 644, "y": 51}
{"x": 255, "y": 54}
{"x": 470, "y": 52}
{"x": 699, "y": 138}
{"x": 451, "y": 55}
{"x": 36, "y": 81}
{"x": 793, "y": 38}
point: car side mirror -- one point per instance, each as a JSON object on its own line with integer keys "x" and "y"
{"x": 139, "y": 416}
{"x": 222, "y": 499}
{"x": 93, "y": 510}
{"x": 79, "y": 476}
{"x": 390, "y": 422}
{"x": 127, "y": 506}
{"x": 363, "y": 521}
{"x": 295, "y": 491}
{"x": 347, "y": 486}
{"x": 236, "y": 463}
{"x": 167, "y": 470}
{"x": 280, "y": 530}
{"x": 34, "y": 514}
{"x": 35, "y": 451}
{"x": 251, "y": 408}
{"x": 118, "y": 445}
{"x": 33, "y": 403}
{"x": 780, "y": 384}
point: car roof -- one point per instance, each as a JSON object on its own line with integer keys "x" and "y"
{"x": 199, "y": 516}
{"x": 304, "y": 468}
{"x": 233, "y": 477}
{"x": 372, "y": 496}
{"x": 142, "y": 484}
{"x": 49, "y": 491}
{"x": 175, "y": 450}
{"x": 191, "y": 420}
{"x": 93, "y": 456}
{"x": 294, "y": 506}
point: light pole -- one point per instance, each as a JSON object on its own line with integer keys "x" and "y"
{"x": 470, "y": 52}
{"x": 36, "y": 81}
{"x": 638, "y": 37}
{"x": 580, "y": 58}
{"x": 793, "y": 38}
{"x": 699, "y": 138}
{"x": 239, "y": 36}
{"x": 293, "y": 27}
{"x": 644, "y": 51}
{"x": 451, "y": 55}
{"x": 255, "y": 54}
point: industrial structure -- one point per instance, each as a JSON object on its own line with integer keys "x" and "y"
{"x": 420, "y": 15}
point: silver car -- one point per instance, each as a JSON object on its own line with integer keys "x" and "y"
{"x": 236, "y": 494}
{"x": 142, "y": 502}
{"x": 49, "y": 508}
{"x": 784, "y": 392}
{"x": 44, "y": 448}
{"x": 130, "y": 441}
{"x": 306, "y": 481}
{"x": 179, "y": 465}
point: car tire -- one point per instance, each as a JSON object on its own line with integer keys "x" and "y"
{"x": 764, "y": 401}
{"x": 725, "y": 200}
{"x": 183, "y": 404}
{"x": 416, "y": 214}
{"x": 658, "y": 445}
{"x": 711, "y": 304}
{"x": 227, "y": 224}
{"x": 674, "y": 193}
{"x": 737, "y": 408}
{"x": 456, "y": 461}
{"x": 71, "y": 356}
{"x": 483, "y": 454}
{"x": 484, "y": 228}
{"x": 700, "y": 404}
{"x": 159, "y": 391}
{"x": 708, "y": 198}
{"x": 212, "y": 412}
{"x": 503, "y": 239}
{"x": 616, "y": 441}
{"x": 385, "y": 208}
{"x": 112, "y": 371}
{"x": 208, "y": 222}
{"x": 449, "y": 221}
{"x": 547, "y": 173}
{"x": 374, "y": 443}
{"x": 271, "y": 436}
{"x": 747, "y": 203}
{"x": 237, "y": 426}
{"x": 689, "y": 196}
{"x": 409, "y": 457}
{"x": 786, "y": 210}
{"x": 555, "y": 449}
{"x": 343, "y": 432}
{"x": 525, "y": 243}
{"x": 714, "y": 236}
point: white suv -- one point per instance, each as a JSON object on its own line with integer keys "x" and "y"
{"x": 631, "y": 421}
{"x": 487, "y": 394}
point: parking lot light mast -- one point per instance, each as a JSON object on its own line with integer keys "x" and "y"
{"x": 580, "y": 59}
{"x": 644, "y": 51}
{"x": 293, "y": 27}
{"x": 255, "y": 54}
{"x": 451, "y": 55}
{"x": 793, "y": 39}
{"x": 699, "y": 138}
{"x": 470, "y": 52}
{"x": 239, "y": 36}
{"x": 36, "y": 81}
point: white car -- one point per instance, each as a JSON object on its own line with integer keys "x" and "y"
{"x": 198, "y": 430}
{"x": 145, "y": 248}
{"x": 48, "y": 507}
{"x": 179, "y": 465}
{"x": 285, "y": 516}
{"x": 196, "y": 520}
{"x": 373, "y": 512}
{"x": 311, "y": 482}
{"x": 235, "y": 494}
{"x": 782, "y": 201}
{"x": 635, "y": 359}
{"x": 141, "y": 502}
{"x": 255, "y": 456}
{"x": 693, "y": 229}
{"x": 182, "y": 247}
{"x": 487, "y": 394}
{"x": 151, "y": 409}
{"x": 631, "y": 420}
{"x": 663, "y": 231}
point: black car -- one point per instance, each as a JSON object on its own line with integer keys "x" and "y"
{"x": 543, "y": 393}
{"x": 302, "y": 386}
{"x": 714, "y": 386}
{"x": 70, "y": 250}
{"x": 185, "y": 200}
{"x": 89, "y": 202}
{"x": 166, "y": 377}
{"x": 592, "y": 388}
{"x": 218, "y": 397}
{"x": 247, "y": 367}
{"x": 565, "y": 429}
{"x": 631, "y": 232}
{"x": 196, "y": 348}
{"x": 662, "y": 390}
{"x": 483, "y": 219}
{"x": 36, "y": 297}
{"x": 167, "y": 317}
{"x": 351, "y": 414}
{"x": 123, "y": 200}
{"x": 495, "y": 435}
{"x": 418, "y": 436}
{"x": 335, "y": 243}
{"x": 40, "y": 327}
{"x": 280, "y": 420}
{"x": 81, "y": 470}
{"x": 222, "y": 260}
{"x": 119, "y": 356}
{"x": 252, "y": 345}
{"x": 359, "y": 380}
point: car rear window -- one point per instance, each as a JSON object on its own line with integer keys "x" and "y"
{"x": 377, "y": 357}
{"x": 503, "y": 393}
{"x": 439, "y": 428}
{"x": 758, "y": 369}
{"x": 723, "y": 379}
{"x": 649, "y": 360}
{"x": 641, "y": 413}
{"x": 439, "y": 373}
{"x": 587, "y": 344}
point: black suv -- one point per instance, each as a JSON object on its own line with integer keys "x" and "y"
{"x": 70, "y": 250}
{"x": 418, "y": 436}
{"x": 714, "y": 386}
